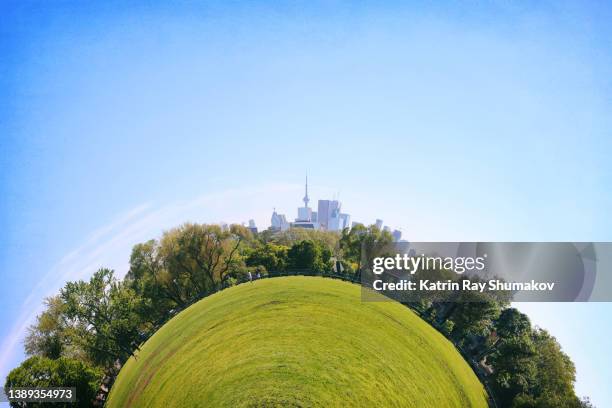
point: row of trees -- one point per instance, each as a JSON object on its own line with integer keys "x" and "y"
{"x": 526, "y": 365}
{"x": 92, "y": 327}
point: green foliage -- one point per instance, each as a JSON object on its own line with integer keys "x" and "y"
{"x": 514, "y": 368}
{"x": 473, "y": 315}
{"x": 512, "y": 324}
{"x": 106, "y": 316}
{"x": 555, "y": 372}
{"x": 271, "y": 256}
{"x": 531, "y": 370}
{"x": 62, "y": 372}
{"x": 104, "y": 320}
{"x": 547, "y": 401}
{"x": 361, "y": 244}
{"x": 143, "y": 277}
{"x": 447, "y": 327}
{"x": 328, "y": 239}
{"x": 47, "y": 337}
{"x": 188, "y": 263}
{"x": 309, "y": 255}
{"x": 585, "y": 402}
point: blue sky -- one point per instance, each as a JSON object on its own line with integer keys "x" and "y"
{"x": 479, "y": 121}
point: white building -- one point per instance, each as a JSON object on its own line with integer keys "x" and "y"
{"x": 329, "y": 216}
{"x": 279, "y": 222}
{"x": 304, "y": 218}
{"x": 345, "y": 221}
{"x": 305, "y": 212}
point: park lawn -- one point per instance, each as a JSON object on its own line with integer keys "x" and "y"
{"x": 296, "y": 342}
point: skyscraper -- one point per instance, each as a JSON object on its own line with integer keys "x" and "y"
{"x": 304, "y": 218}
{"x": 379, "y": 224}
{"x": 279, "y": 222}
{"x": 323, "y": 213}
{"x": 252, "y": 226}
{"x": 328, "y": 215}
{"x": 305, "y": 212}
{"x": 345, "y": 221}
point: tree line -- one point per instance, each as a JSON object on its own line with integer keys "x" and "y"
{"x": 90, "y": 328}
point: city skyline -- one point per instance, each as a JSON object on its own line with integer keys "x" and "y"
{"x": 328, "y": 217}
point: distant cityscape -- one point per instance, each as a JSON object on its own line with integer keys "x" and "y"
{"x": 328, "y": 217}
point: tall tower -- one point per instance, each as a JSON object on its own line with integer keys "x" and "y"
{"x": 306, "y": 199}
{"x": 305, "y": 213}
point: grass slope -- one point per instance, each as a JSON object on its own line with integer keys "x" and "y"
{"x": 296, "y": 342}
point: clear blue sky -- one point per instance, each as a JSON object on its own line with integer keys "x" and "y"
{"x": 456, "y": 121}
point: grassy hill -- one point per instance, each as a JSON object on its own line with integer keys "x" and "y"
{"x": 296, "y": 342}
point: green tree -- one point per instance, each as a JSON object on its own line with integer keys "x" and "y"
{"x": 188, "y": 263}
{"x": 511, "y": 324}
{"x": 197, "y": 258}
{"x": 447, "y": 327}
{"x": 106, "y": 317}
{"x": 473, "y": 315}
{"x": 47, "y": 337}
{"x": 514, "y": 369}
{"x": 360, "y": 244}
{"x": 328, "y": 239}
{"x": 41, "y": 372}
{"x": 556, "y": 373}
{"x": 585, "y": 402}
{"x": 309, "y": 255}
{"x": 145, "y": 278}
{"x": 271, "y": 256}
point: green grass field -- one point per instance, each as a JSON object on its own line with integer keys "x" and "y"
{"x": 296, "y": 342}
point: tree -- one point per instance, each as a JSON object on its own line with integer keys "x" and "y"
{"x": 42, "y": 372}
{"x": 556, "y": 373}
{"x": 511, "y": 324}
{"x": 473, "y": 315}
{"x": 144, "y": 277}
{"x": 310, "y": 256}
{"x": 447, "y": 327}
{"x": 188, "y": 263}
{"x": 514, "y": 369}
{"x": 47, "y": 337}
{"x": 272, "y": 257}
{"x": 530, "y": 369}
{"x": 200, "y": 256}
{"x": 106, "y": 317}
{"x": 327, "y": 239}
{"x": 585, "y": 402}
{"x": 361, "y": 244}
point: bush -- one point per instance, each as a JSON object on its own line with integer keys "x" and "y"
{"x": 447, "y": 327}
{"x": 64, "y": 372}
